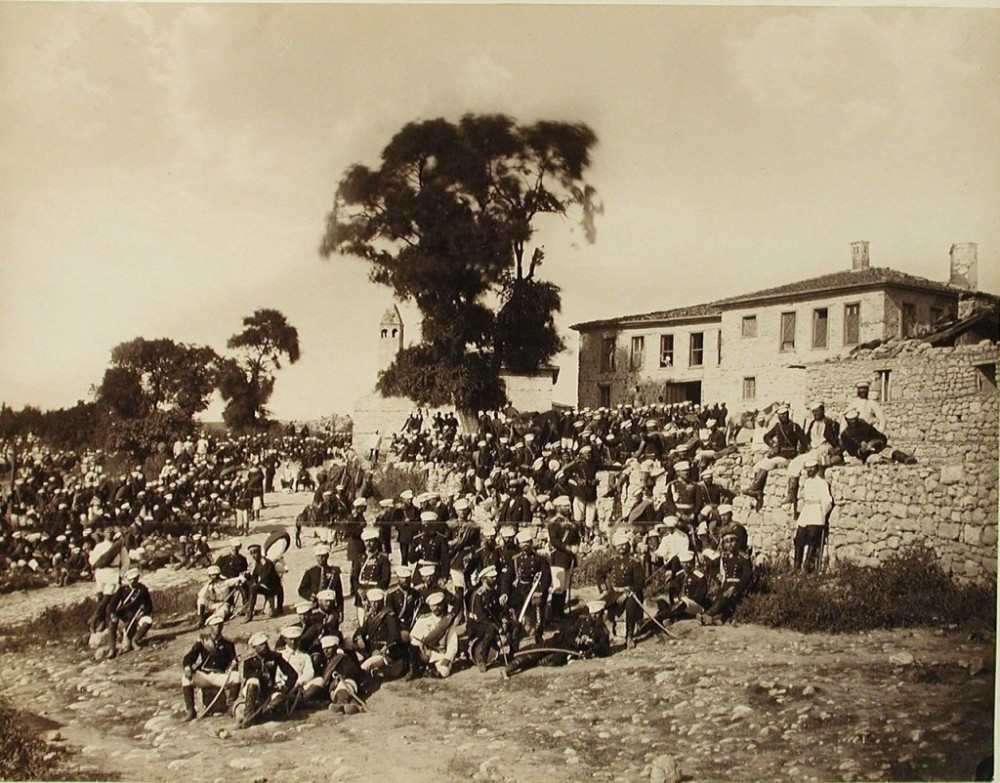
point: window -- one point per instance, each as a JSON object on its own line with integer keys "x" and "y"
{"x": 908, "y": 324}
{"x": 749, "y": 326}
{"x": 821, "y": 324}
{"x": 718, "y": 348}
{"x": 697, "y": 355}
{"x": 986, "y": 377}
{"x": 788, "y": 331}
{"x": 749, "y": 388}
{"x": 666, "y": 350}
{"x": 638, "y": 350}
{"x": 604, "y": 393}
{"x": 884, "y": 388}
{"x": 607, "y": 354}
{"x": 385, "y": 332}
{"x": 852, "y": 324}
{"x": 937, "y": 314}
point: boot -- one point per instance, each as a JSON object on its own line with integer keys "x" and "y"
{"x": 232, "y": 695}
{"x": 903, "y": 458}
{"x": 559, "y": 606}
{"x": 793, "y": 491}
{"x": 311, "y": 692}
{"x": 140, "y": 633}
{"x": 757, "y": 485}
{"x": 189, "y": 713}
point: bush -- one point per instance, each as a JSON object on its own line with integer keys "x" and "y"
{"x": 592, "y": 567}
{"x": 909, "y": 589}
{"x": 22, "y": 754}
{"x": 21, "y": 580}
{"x": 391, "y": 480}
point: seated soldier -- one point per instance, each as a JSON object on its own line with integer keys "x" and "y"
{"x": 307, "y": 686}
{"x": 378, "y": 639}
{"x": 586, "y": 636}
{"x": 866, "y": 444}
{"x": 342, "y": 675}
{"x": 734, "y": 575}
{"x": 686, "y": 596}
{"x": 132, "y": 605}
{"x": 623, "y": 587}
{"x": 217, "y": 596}
{"x": 434, "y": 638}
{"x": 210, "y": 663}
{"x": 263, "y": 692}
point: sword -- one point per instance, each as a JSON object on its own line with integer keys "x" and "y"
{"x": 527, "y": 601}
{"x": 651, "y": 617}
{"x": 229, "y": 671}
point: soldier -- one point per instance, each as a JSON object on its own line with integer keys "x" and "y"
{"x": 405, "y": 518}
{"x": 404, "y": 600}
{"x": 307, "y": 685}
{"x": 383, "y": 523}
{"x": 734, "y": 575}
{"x": 686, "y": 596}
{"x": 322, "y": 576}
{"x": 325, "y": 621}
{"x": 429, "y": 547}
{"x": 581, "y": 476}
{"x": 434, "y": 639}
{"x": 486, "y": 618}
{"x": 210, "y": 663}
{"x": 785, "y": 440}
{"x": 218, "y": 596}
{"x": 822, "y": 444}
{"x": 673, "y": 543}
{"x": 342, "y": 675}
{"x": 132, "y": 605}
{"x": 868, "y": 410}
{"x": 623, "y": 587}
{"x": 463, "y": 548}
{"x": 266, "y": 581}
{"x": 817, "y": 501}
{"x": 379, "y": 640}
{"x": 516, "y": 509}
{"x": 375, "y": 571}
{"x": 864, "y": 442}
{"x": 683, "y": 499}
{"x": 564, "y": 541}
{"x": 268, "y": 680}
{"x": 532, "y": 580}
{"x": 587, "y": 636}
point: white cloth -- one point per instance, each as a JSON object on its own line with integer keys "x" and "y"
{"x": 447, "y": 647}
{"x": 672, "y": 544}
{"x": 868, "y": 410}
{"x": 301, "y": 662}
{"x": 815, "y": 501}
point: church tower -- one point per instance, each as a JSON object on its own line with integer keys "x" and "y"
{"x": 390, "y": 337}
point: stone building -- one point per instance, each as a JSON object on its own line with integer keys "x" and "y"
{"x": 751, "y": 350}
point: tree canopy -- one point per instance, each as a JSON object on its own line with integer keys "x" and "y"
{"x": 444, "y": 221}
{"x": 159, "y": 375}
{"x": 247, "y": 382}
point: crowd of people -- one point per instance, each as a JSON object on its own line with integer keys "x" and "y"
{"x": 57, "y": 506}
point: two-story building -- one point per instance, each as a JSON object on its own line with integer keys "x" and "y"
{"x": 751, "y": 350}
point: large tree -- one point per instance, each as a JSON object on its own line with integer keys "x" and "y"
{"x": 159, "y": 375}
{"x": 247, "y": 381}
{"x": 445, "y": 221}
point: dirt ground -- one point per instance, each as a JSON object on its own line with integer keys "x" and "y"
{"x": 726, "y": 703}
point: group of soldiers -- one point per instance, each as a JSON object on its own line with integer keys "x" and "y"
{"x": 461, "y": 593}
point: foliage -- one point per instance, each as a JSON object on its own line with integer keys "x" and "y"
{"x": 909, "y": 589}
{"x": 592, "y": 567}
{"x": 139, "y": 438}
{"x": 151, "y": 375}
{"x": 64, "y": 428}
{"x": 526, "y": 335}
{"x": 14, "y": 581}
{"x": 247, "y": 382}
{"x": 473, "y": 379}
{"x": 444, "y": 221}
{"x": 22, "y": 754}
{"x": 390, "y": 481}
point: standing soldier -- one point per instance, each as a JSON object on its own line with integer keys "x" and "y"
{"x": 532, "y": 580}
{"x": 623, "y": 587}
{"x": 132, "y": 605}
{"x": 405, "y": 517}
{"x": 463, "y": 548}
{"x": 375, "y": 571}
{"x": 322, "y": 576}
{"x": 383, "y": 523}
{"x": 581, "y": 476}
{"x": 564, "y": 540}
{"x": 817, "y": 501}
{"x": 210, "y": 663}
{"x": 429, "y": 547}
{"x": 682, "y": 498}
{"x": 404, "y": 600}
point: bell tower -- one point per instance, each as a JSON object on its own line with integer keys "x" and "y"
{"x": 390, "y": 337}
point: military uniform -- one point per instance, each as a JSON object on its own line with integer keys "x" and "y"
{"x": 564, "y": 539}
{"x": 264, "y": 674}
{"x": 529, "y": 565}
{"x": 430, "y": 548}
{"x": 374, "y": 571}
{"x": 209, "y": 664}
{"x": 625, "y": 576}
{"x": 319, "y": 578}
{"x": 587, "y": 635}
{"x": 735, "y": 571}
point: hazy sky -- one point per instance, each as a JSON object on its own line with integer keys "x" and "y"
{"x": 166, "y": 170}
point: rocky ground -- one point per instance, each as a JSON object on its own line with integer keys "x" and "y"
{"x": 719, "y": 703}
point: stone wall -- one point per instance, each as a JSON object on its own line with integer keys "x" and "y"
{"x": 882, "y": 508}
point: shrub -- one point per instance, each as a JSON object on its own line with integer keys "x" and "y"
{"x": 592, "y": 567}
{"x": 909, "y": 589}
{"x": 391, "y": 480}
{"x": 22, "y": 754}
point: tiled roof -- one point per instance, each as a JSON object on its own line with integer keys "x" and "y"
{"x": 845, "y": 280}
{"x": 677, "y": 314}
{"x": 869, "y": 277}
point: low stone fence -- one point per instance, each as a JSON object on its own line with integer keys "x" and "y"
{"x": 881, "y": 508}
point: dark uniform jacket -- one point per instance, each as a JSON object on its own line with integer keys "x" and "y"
{"x": 217, "y": 656}
{"x": 735, "y": 571}
{"x": 625, "y": 573}
{"x": 131, "y": 600}
{"x": 563, "y": 534}
{"x": 528, "y": 566}
{"x": 404, "y": 603}
{"x": 693, "y": 586}
{"x": 319, "y": 578}
{"x": 515, "y": 509}
{"x": 860, "y": 432}
{"x": 231, "y": 565}
{"x": 318, "y": 625}
{"x": 380, "y": 632}
{"x": 788, "y": 440}
{"x": 485, "y": 606}
{"x": 343, "y": 664}
{"x": 430, "y": 547}
{"x": 582, "y": 479}
{"x": 376, "y": 571}
{"x": 265, "y": 667}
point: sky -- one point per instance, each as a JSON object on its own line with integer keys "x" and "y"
{"x": 165, "y": 170}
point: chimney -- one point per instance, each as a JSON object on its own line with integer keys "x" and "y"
{"x": 859, "y": 254}
{"x": 964, "y": 266}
